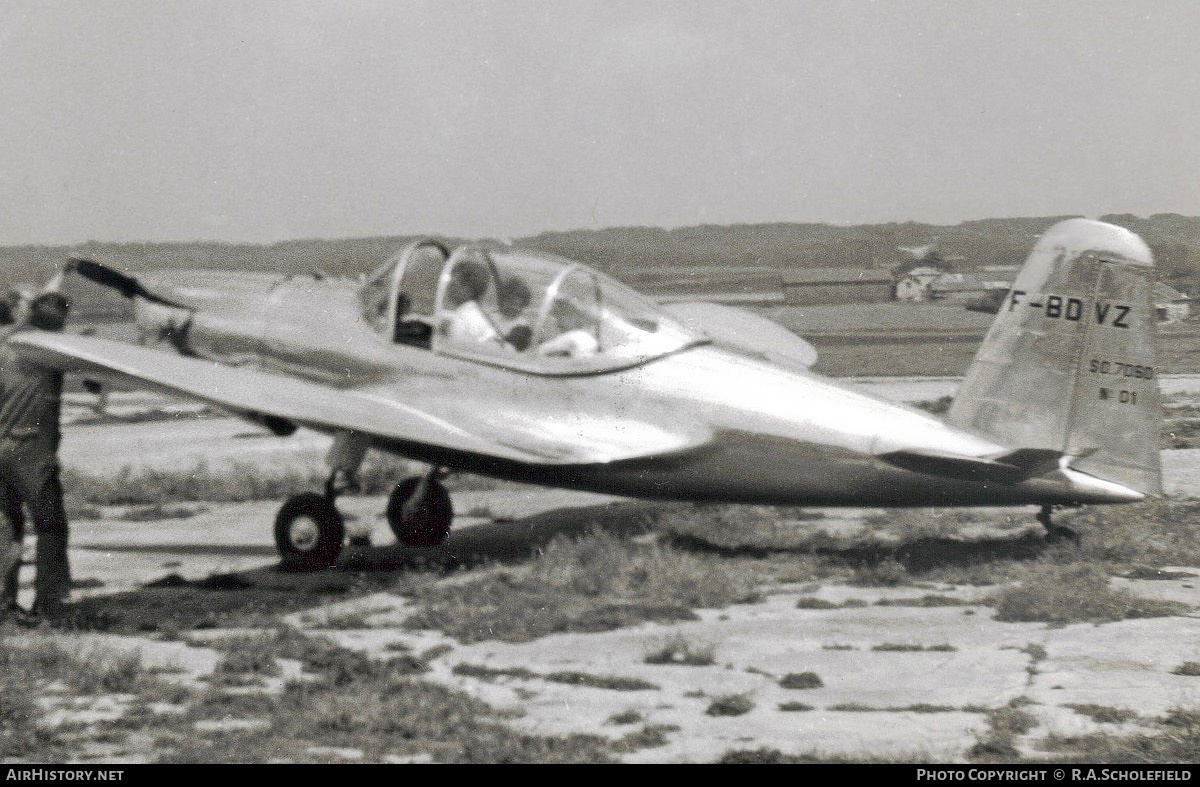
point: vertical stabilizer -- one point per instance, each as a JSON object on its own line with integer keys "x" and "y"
{"x": 1068, "y": 364}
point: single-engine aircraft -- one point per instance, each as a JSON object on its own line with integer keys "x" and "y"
{"x": 531, "y": 367}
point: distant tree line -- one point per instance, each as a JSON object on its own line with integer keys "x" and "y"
{"x": 627, "y": 251}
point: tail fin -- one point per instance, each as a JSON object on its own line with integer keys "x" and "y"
{"x": 1068, "y": 364}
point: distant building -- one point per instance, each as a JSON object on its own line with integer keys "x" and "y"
{"x": 1170, "y": 305}
{"x": 916, "y": 284}
{"x": 823, "y": 286}
{"x": 972, "y": 284}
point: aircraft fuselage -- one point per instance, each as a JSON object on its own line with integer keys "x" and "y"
{"x": 777, "y": 435}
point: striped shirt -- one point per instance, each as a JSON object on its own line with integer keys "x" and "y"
{"x": 30, "y": 398}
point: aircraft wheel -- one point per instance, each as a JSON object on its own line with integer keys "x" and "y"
{"x": 428, "y": 524}
{"x": 308, "y": 532}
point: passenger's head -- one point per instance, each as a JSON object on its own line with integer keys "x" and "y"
{"x": 468, "y": 283}
{"x": 514, "y": 297}
{"x": 48, "y": 311}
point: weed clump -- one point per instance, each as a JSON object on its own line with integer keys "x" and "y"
{"x": 886, "y": 573}
{"x": 1074, "y": 594}
{"x": 1174, "y": 738}
{"x": 1103, "y": 714}
{"x": 679, "y": 650}
{"x": 594, "y": 583}
{"x": 801, "y": 680}
{"x": 730, "y": 705}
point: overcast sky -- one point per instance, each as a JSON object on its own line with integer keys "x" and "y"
{"x": 260, "y": 121}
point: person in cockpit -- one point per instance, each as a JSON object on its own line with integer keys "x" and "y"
{"x": 574, "y": 335}
{"x": 468, "y": 323}
{"x": 513, "y": 298}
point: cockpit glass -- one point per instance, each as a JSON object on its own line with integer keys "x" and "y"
{"x": 374, "y": 293}
{"x": 546, "y": 314}
{"x": 399, "y": 297}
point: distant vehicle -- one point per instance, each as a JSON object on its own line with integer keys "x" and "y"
{"x": 531, "y": 367}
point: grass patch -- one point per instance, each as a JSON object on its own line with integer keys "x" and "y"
{"x": 907, "y": 647}
{"x": 927, "y": 601}
{"x": 768, "y": 756}
{"x": 730, "y": 705}
{"x": 679, "y": 650}
{"x": 1188, "y": 668}
{"x": 571, "y": 678}
{"x": 158, "y": 511}
{"x": 1103, "y": 714}
{"x": 249, "y": 657}
{"x": 483, "y": 672}
{"x": 1174, "y": 739}
{"x": 739, "y": 527}
{"x": 625, "y": 717}
{"x": 649, "y": 737}
{"x": 1004, "y": 725}
{"x": 812, "y": 602}
{"x": 916, "y": 523}
{"x": 1075, "y": 594}
{"x": 594, "y": 583}
{"x": 794, "y": 707}
{"x": 610, "y": 682}
{"x": 376, "y": 707}
{"x": 351, "y": 621}
{"x": 27, "y": 671}
{"x": 1152, "y": 533}
{"x": 888, "y": 573}
{"x": 384, "y": 714}
{"x": 801, "y": 680}
{"x": 236, "y": 483}
{"x": 149, "y": 487}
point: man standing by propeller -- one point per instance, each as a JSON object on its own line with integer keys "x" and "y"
{"x": 30, "y": 406}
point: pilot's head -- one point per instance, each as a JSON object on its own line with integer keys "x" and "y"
{"x": 48, "y": 311}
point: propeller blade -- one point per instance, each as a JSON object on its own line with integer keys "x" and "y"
{"x": 114, "y": 279}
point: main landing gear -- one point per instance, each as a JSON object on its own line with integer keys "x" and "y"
{"x": 1055, "y": 533}
{"x": 419, "y": 510}
{"x": 309, "y": 530}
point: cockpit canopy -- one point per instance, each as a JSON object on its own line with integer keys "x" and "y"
{"x": 521, "y": 309}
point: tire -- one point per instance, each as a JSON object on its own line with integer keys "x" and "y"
{"x": 308, "y": 532}
{"x": 431, "y": 523}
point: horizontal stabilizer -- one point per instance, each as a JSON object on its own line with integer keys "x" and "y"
{"x": 745, "y": 332}
{"x": 1008, "y": 468}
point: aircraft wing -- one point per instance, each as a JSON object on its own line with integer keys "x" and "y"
{"x": 744, "y": 331}
{"x": 256, "y": 393}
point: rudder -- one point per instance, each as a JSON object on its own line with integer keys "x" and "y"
{"x": 1068, "y": 364}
